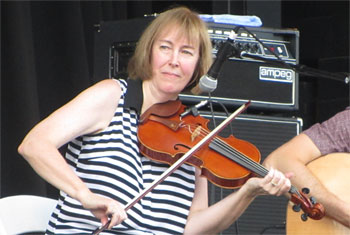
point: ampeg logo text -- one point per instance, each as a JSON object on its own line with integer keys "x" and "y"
{"x": 276, "y": 74}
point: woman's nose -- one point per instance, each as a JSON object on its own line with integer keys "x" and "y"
{"x": 174, "y": 59}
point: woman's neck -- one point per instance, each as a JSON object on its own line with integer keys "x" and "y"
{"x": 152, "y": 96}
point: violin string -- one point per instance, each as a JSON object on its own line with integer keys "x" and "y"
{"x": 246, "y": 160}
{"x": 263, "y": 170}
{"x": 241, "y": 156}
{"x": 232, "y": 151}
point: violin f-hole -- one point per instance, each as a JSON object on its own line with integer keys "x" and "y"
{"x": 176, "y": 146}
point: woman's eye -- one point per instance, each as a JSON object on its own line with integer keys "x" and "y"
{"x": 164, "y": 47}
{"x": 187, "y": 52}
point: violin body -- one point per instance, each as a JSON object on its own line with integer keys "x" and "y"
{"x": 167, "y": 137}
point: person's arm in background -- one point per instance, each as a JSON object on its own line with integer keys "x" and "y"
{"x": 293, "y": 156}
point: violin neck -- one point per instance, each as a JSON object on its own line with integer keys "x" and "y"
{"x": 238, "y": 157}
{"x": 243, "y": 160}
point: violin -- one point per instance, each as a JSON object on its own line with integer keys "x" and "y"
{"x": 148, "y": 115}
{"x": 165, "y": 135}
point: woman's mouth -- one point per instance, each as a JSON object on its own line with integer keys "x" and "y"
{"x": 169, "y": 74}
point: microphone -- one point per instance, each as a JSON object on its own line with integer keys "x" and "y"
{"x": 194, "y": 109}
{"x": 208, "y": 82}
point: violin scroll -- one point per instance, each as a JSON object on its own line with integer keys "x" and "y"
{"x": 309, "y": 206}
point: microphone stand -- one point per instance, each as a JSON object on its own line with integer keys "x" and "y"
{"x": 303, "y": 69}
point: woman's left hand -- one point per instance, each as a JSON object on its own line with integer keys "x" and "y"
{"x": 274, "y": 183}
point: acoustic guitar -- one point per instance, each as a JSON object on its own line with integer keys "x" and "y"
{"x": 333, "y": 171}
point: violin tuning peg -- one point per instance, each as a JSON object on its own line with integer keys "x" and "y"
{"x": 296, "y": 208}
{"x": 304, "y": 217}
{"x": 313, "y": 200}
{"x": 305, "y": 190}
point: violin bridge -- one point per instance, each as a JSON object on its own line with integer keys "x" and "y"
{"x": 196, "y": 133}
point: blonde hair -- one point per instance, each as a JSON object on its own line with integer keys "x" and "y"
{"x": 190, "y": 25}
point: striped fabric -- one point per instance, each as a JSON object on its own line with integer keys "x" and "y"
{"x": 110, "y": 164}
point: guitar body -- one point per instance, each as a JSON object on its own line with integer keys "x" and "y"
{"x": 333, "y": 171}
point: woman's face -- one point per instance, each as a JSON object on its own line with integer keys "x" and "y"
{"x": 174, "y": 60}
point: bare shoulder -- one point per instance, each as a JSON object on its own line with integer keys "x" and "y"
{"x": 105, "y": 92}
{"x": 108, "y": 83}
{"x": 107, "y": 87}
{"x": 98, "y": 103}
{"x": 104, "y": 96}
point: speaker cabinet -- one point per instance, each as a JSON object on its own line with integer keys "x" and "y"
{"x": 266, "y": 214}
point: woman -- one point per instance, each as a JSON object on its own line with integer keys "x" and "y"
{"x": 105, "y": 170}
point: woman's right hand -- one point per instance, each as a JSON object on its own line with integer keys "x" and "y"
{"x": 103, "y": 208}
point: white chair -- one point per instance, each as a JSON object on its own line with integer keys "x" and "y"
{"x": 24, "y": 214}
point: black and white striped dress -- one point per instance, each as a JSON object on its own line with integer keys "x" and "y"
{"x": 110, "y": 164}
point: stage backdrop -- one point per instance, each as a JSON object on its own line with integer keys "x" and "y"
{"x": 47, "y": 59}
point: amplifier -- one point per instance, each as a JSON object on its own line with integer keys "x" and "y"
{"x": 268, "y": 85}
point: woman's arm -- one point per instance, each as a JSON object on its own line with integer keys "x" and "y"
{"x": 208, "y": 220}
{"x": 89, "y": 112}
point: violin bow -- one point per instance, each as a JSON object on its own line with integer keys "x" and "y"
{"x": 179, "y": 162}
